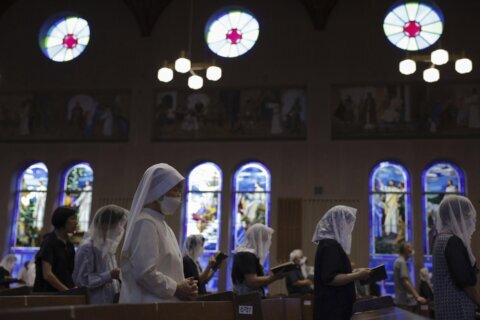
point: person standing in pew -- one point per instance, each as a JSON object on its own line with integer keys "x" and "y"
{"x": 406, "y": 296}
{"x": 95, "y": 263}
{"x": 296, "y": 280}
{"x": 249, "y": 259}
{"x": 6, "y": 269}
{"x": 193, "y": 249}
{"x": 334, "y": 288}
{"x": 55, "y": 260}
{"x": 454, "y": 265}
{"x": 151, "y": 261}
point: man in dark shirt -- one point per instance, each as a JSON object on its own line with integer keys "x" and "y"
{"x": 296, "y": 281}
{"x": 55, "y": 260}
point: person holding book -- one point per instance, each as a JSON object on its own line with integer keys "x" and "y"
{"x": 249, "y": 259}
{"x": 296, "y": 280}
{"x": 334, "y": 292}
{"x": 193, "y": 249}
{"x": 405, "y": 294}
{"x": 454, "y": 265}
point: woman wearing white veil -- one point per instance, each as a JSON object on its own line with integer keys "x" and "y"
{"x": 95, "y": 263}
{"x": 249, "y": 259}
{"x": 334, "y": 280}
{"x": 454, "y": 265}
{"x": 151, "y": 261}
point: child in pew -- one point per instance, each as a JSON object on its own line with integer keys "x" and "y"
{"x": 95, "y": 264}
{"x": 193, "y": 249}
{"x": 6, "y": 269}
{"x": 55, "y": 260}
{"x": 27, "y": 273}
{"x": 334, "y": 293}
{"x": 248, "y": 261}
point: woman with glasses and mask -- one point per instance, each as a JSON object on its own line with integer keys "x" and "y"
{"x": 151, "y": 261}
{"x": 95, "y": 266}
{"x": 193, "y": 249}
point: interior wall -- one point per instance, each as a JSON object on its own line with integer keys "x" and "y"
{"x": 289, "y": 52}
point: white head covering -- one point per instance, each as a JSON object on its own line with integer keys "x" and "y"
{"x": 194, "y": 246}
{"x": 156, "y": 181}
{"x": 258, "y": 239}
{"x": 458, "y": 216}
{"x": 337, "y": 224}
{"x": 8, "y": 262}
{"x": 107, "y": 229}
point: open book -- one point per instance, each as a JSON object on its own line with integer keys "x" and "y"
{"x": 284, "y": 267}
{"x": 219, "y": 257}
{"x": 377, "y": 274}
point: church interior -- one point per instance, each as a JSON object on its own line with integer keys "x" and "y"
{"x": 284, "y": 110}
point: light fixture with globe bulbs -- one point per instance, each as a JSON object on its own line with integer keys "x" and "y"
{"x": 436, "y": 58}
{"x": 184, "y": 65}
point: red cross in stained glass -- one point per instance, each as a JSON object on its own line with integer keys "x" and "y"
{"x": 234, "y": 36}
{"x": 70, "y": 41}
{"x": 412, "y": 29}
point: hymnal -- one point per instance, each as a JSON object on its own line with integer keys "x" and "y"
{"x": 376, "y": 274}
{"x": 284, "y": 267}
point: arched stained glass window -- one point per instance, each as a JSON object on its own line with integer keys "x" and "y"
{"x": 77, "y": 193}
{"x": 390, "y": 216}
{"x": 252, "y": 198}
{"x": 30, "y": 208}
{"x": 439, "y": 180}
{"x": 203, "y": 210}
{"x": 231, "y": 32}
{"x": 64, "y": 38}
{"x": 413, "y": 26}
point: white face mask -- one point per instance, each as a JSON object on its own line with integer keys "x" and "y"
{"x": 169, "y": 205}
{"x": 303, "y": 260}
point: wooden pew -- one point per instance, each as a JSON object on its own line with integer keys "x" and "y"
{"x": 28, "y": 301}
{"x": 391, "y": 313}
{"x": 216, "y": 310}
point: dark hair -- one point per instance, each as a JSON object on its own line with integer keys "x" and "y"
{"x": 61, "y": 215}
{"x": 402, "y": 246}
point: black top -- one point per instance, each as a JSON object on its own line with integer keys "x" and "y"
{"x": 190, "y": 269}
{"x": 335, "y": 303}
{"x": 458, "y": 261}
{"x": 246, "y": 263}
{"x": 4, "y": 284}
{"x": 61, "y": 255}
{"x": 294, "y": 276}
{"x": 425, "y": 290}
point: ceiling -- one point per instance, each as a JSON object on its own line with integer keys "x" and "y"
{"x": 147, "y": 12}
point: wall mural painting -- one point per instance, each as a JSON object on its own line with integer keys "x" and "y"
{"x": 229, "y": 114}
{"x": 442, "y": 110}
{"x": 64, "y": 117}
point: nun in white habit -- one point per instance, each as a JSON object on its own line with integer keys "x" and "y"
{"x": 151, "y": 261}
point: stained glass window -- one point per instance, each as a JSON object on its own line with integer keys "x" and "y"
{"x": 252, "y": 198}
{"x": 231, "y": 32}
{"x": 30, "y": 209}
{"x": 202, "y": 214}
{"x": 77, "y": 193}
{"x": 63, "y": 39}
{"x": 439, "y": 180}
{"x": 413, "y": 26}
{"x": 390, "y": 216}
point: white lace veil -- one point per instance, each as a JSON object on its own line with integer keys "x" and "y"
{"x": 258, "y": 239}
{"x": 107, "y": 229}
{"x": 458, "y": 216}
{"x": 8, "y": 262}
{"x": 156, "y": 181}
{"x": 337, "y": 224}
{"x": 193, "y": 246}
